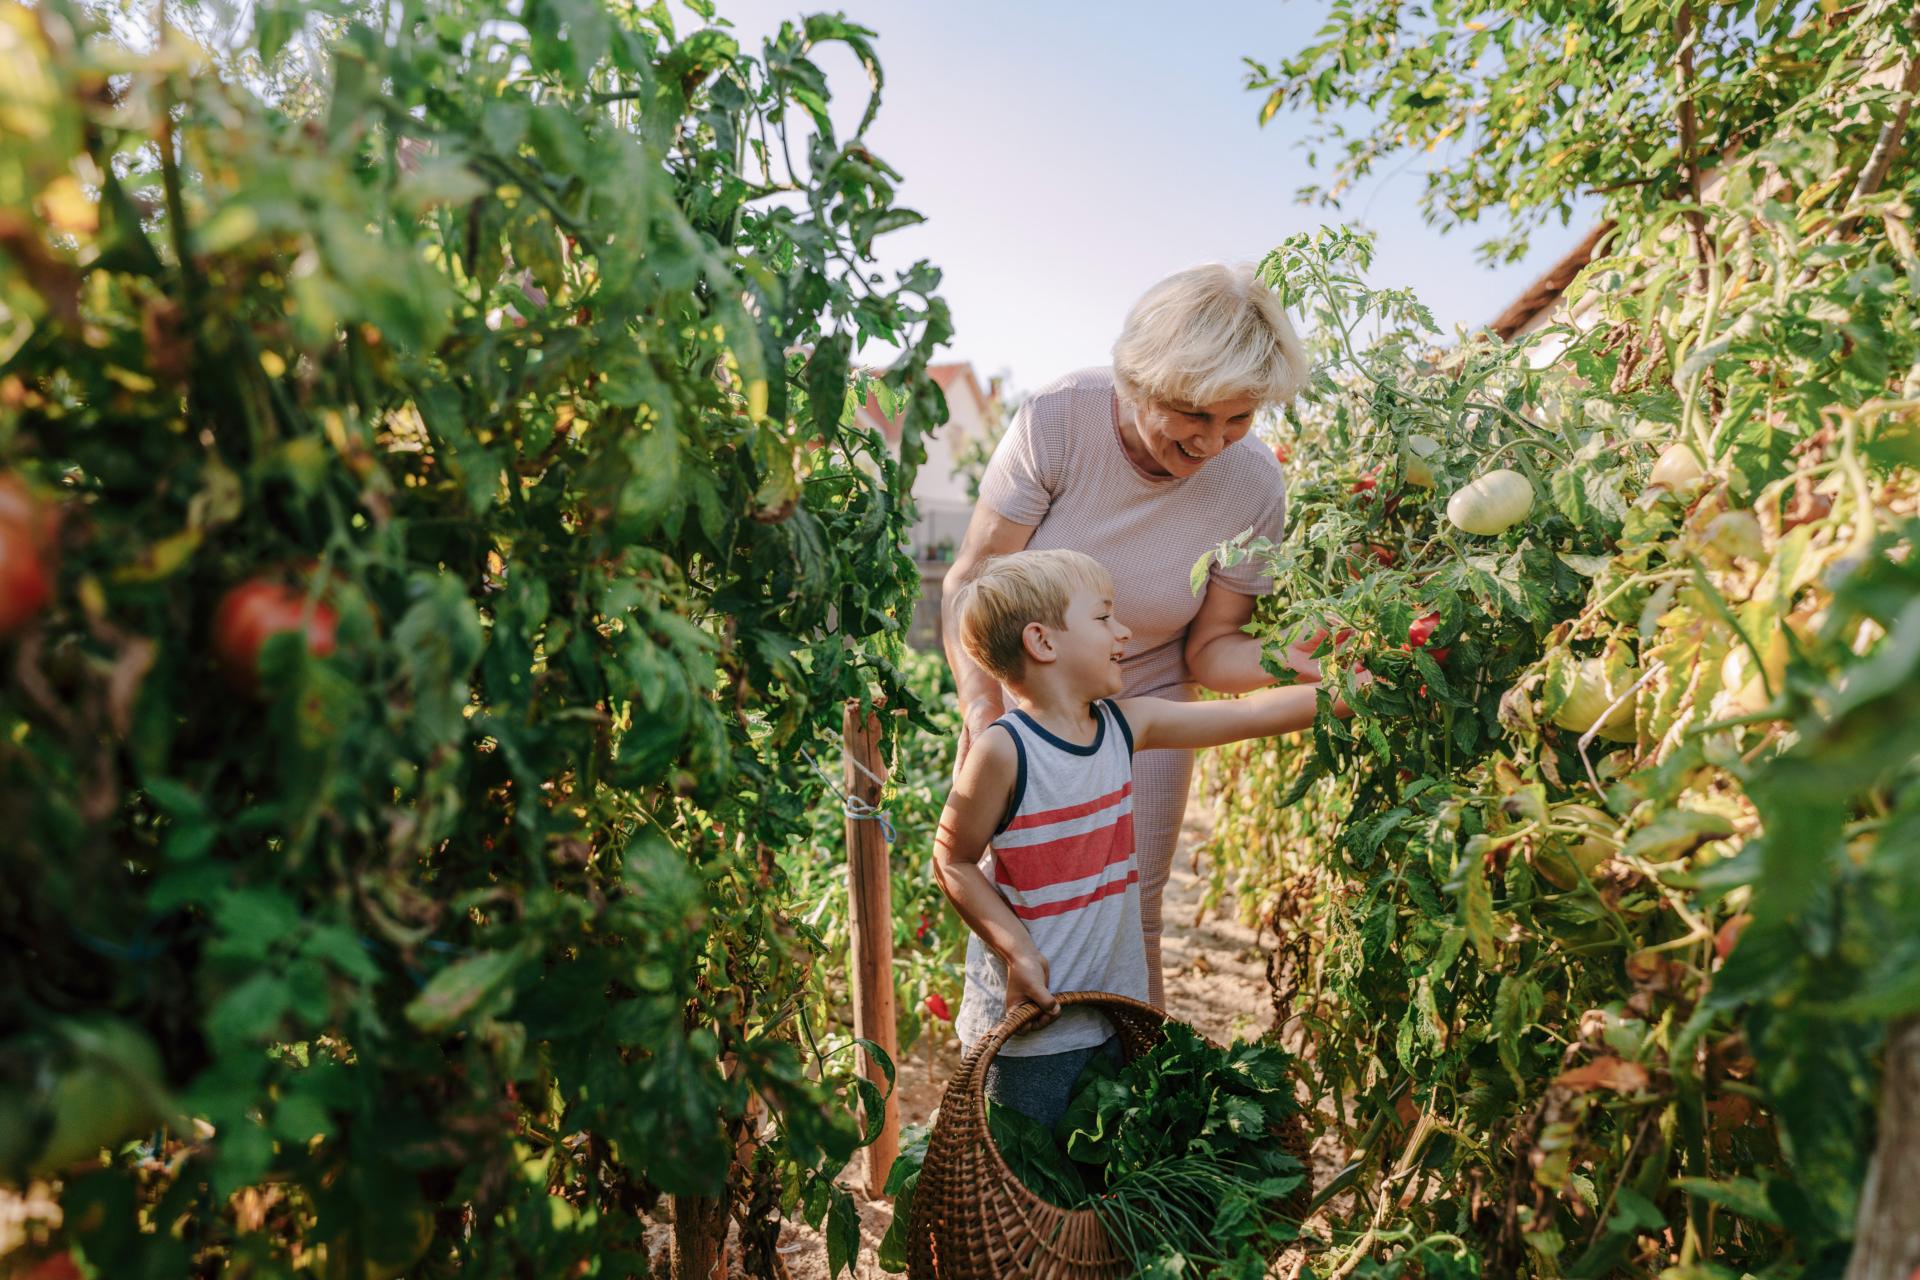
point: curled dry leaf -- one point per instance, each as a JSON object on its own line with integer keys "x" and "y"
{"x": 1616, "y": 1074}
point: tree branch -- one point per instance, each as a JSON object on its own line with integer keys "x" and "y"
{"x": 1689, "y": 144}
{"x": 1887, "y": 145}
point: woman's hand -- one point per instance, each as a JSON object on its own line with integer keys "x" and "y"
{"x": 1299, "y": 655}
{"x": 980, "y": 713}
{"x": 989, "y": 534}
{"x": 1027, "y": 977}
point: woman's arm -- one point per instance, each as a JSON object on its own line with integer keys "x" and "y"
{"x": 988, "y": 534}
{"x": 974, "y": 808}
{"x": 1223, "y": 657}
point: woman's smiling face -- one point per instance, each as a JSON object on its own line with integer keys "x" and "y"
{"x": 1173, "y": 439}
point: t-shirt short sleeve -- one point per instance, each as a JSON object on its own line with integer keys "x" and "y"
{"x": 1271, "y": 524}
{"x": 1023, "y": 476}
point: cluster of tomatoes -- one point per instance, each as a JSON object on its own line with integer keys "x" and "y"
{"x": 245, "y": 618}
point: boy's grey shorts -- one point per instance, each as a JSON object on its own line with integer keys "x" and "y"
{"x": 1041, "y": 1087}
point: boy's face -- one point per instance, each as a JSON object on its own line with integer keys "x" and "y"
{"x": 1089, "y": 649}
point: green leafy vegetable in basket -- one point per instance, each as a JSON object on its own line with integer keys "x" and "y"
{"x": 1179, "y": 1152}
{"x": 1040, "y": 1163}
{"x": 1180, "y": 1145}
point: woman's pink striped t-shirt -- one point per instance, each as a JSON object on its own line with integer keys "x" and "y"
{"x": 1061, "y": 467}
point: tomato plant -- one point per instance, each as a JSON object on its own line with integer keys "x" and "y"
{"x": 1543, "y": 914}
{"x": 472, "y": 936}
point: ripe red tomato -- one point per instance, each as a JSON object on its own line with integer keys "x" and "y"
{"x": 1421, "y": 630}
{"x": 1366, "y": 481}
{"x": 29, "y": 530}
{"x": 1440, "y": 654}
{"x": 937, "y": 1006}
{"x": 1282, "y": 454}
{"x": 18, "y": 506}
{"x": 256, "y": 609}
{"x": 60, "y": 1266}
{"x": 26, "y": 584}
{"x": 1729, "y": 933}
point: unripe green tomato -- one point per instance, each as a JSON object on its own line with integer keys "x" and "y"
{"x": 1565, "y": 858}
{"x": 1676, "y": 468}
{"x": 1492, "y": 503}
{"x": 1591, "y": 696}
{"x": 1746, "y": 682}
{"x": 1419, "y": 471}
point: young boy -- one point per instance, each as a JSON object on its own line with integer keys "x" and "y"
{"x": 1035, "y": 848}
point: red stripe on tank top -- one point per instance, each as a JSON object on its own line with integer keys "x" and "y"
{"x": 1065, "y": 905}
{"x": 1037, "y": 866}
{"x": 1072, "y": 811}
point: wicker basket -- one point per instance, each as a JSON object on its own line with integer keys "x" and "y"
{"x": 973, "y": 1220}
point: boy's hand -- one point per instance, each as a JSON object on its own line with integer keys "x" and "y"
{"x": 1027, "y": 979}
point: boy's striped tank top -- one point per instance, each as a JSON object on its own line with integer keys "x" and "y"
{"x": 1063, "y": 859}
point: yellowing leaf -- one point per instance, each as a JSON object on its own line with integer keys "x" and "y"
{"x": 163, "y": 559}
{"x": 1476, "y": 909}
{"x": 66, "y": 204}
{"x": 459, "y": 988}
{"x": 135, "y": 382}
{"x": 1674, "y": 832}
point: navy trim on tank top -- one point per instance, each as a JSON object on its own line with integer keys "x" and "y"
{"x": 1092, "y": 748}
{"x": 1126, "y": 729}
{"x": 1019, "y": 775}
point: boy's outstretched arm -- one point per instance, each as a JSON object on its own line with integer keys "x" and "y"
{"x": 974, "y": 808}
{"x": 1156, "y": 722}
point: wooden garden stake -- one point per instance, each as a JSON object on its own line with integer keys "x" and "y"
{"x": 870, "y": 908}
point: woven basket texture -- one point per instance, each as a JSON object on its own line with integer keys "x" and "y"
{"x": 974, "y": 1220}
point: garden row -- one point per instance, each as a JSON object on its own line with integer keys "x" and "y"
{"x": 432, "y": 537}
{"x": 1599, "y": 915}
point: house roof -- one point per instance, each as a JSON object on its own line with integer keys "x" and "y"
{"x": 1545, "y": 292}
{"x": 948, "y": 376}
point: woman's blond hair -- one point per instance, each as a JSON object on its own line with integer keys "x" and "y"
{"x": 994, "y": 607}
{"x": 1206, "y": 334}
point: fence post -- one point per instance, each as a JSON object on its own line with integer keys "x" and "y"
{"x": 870, "y": 912}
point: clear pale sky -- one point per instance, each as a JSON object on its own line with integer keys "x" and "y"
{"x": 1069, "y": 153}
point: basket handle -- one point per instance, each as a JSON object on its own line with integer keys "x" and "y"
{"x": 1026, "y": 1011}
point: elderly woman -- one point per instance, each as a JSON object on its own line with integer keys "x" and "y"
{"x": 1145, "y": 467}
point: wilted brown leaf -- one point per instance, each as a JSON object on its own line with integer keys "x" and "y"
{"x": 1605, "y": 1073}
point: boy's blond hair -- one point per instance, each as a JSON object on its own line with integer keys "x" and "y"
{"x": 1011, "y": 591}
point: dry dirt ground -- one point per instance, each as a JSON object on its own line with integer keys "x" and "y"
{"x": 1216, "y": 980}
